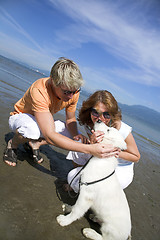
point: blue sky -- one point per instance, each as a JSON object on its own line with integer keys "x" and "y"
{"x": 115, "y": 43}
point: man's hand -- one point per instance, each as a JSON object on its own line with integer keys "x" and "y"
{"x": 101, "y": 150}
{"x": 81, "y": 137}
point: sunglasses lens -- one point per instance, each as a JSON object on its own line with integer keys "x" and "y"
{"x": 106, "y": 115}
{"x": 94, "y": 113}
{"x": 66, "y": 92}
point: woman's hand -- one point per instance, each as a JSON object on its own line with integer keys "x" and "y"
{"x": 96, "y": 137}
{"x": 81, "y": 137}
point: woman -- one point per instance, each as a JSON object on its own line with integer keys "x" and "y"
{"x": 102, "y": 106}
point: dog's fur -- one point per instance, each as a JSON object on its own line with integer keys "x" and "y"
{"x": 106, "y": 198}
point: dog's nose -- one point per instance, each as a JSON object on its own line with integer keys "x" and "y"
{"x": 99, "y": 121}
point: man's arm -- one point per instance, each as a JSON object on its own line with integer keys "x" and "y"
{"x": 71, "y": 123}
{"x": 46, "y": 123}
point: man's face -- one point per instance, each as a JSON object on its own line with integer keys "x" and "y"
{"x": 64, "y": 93}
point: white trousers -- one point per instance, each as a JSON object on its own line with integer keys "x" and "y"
{"x": 27, "y": 126}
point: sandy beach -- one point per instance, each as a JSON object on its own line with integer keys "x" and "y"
{"x": 29, "y": 203}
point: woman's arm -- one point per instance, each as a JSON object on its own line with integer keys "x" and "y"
{"x": 131, "y": 153}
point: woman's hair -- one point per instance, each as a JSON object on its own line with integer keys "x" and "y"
{"x": 104, "y": 97}
{"x": 66, "y": 72}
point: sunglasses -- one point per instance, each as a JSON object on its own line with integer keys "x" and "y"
{"x": 98, "y": 114}
{"x": 67, "y": 92}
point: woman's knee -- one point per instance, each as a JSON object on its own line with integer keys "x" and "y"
{"x": 73, "y": 178}
{"x": 125, "y": 175}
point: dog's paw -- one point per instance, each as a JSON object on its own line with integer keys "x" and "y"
{"x": 92, "y": 234}
{"x": 66, "y": 208}
{"x": 61, "y": 219}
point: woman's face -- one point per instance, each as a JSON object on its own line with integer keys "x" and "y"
{"x": 99, "y": 111}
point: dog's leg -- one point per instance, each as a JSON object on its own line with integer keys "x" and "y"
{"x": 78, "y": 210}
{"x": 94, "y": 218}
{"x": 92, "y": 234}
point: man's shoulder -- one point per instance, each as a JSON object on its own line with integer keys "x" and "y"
{"x": 39, "y": 91}
{"x": 41, "y": 82}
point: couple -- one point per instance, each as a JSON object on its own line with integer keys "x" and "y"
{"x": 33, "y": 123}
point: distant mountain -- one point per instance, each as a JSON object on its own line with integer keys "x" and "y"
{"x": 142, "y": 113}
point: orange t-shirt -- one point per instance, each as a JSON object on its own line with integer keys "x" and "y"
{"x": 40, "y": 98}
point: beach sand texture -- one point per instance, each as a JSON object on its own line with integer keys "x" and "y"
{"x": 29, "y": 203}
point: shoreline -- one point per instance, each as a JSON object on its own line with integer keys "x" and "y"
{"x": 29, "y": 203}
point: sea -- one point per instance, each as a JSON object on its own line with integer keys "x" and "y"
{"x": 15, "y": 79}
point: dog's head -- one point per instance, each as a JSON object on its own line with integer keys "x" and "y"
{"x": 111, "y": 135}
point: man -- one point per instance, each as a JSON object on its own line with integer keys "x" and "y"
{"x": 33, "y": 122}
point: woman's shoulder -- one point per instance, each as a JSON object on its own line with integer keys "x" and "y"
{"x": 125, "y": 129}
{"x": 125, "y": 125}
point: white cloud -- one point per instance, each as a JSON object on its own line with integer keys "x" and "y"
{"x": 10, "y": 21}
{"x": 15, "y": 49}
{"x": 127, "y": 37}
{"x": 21, "y": 46}
{"x": 106, "y": 81}
{"x": 135, "y": 75}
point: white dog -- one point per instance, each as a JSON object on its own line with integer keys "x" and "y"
{"x": 101, "y": 191}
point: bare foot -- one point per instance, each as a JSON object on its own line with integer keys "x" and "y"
{"x": 34, "y": 148}
{"x": 34, "y": 144}
{"x": 10, "y": 157}
{"x": 13, "y": 164}
{"x": 37, "y": 157}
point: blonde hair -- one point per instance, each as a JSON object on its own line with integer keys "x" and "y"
{"x": 66, "y": 72}
{"x": 104, "y": 97}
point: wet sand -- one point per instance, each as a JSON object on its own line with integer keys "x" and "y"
{"x": 29, "y": 203}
